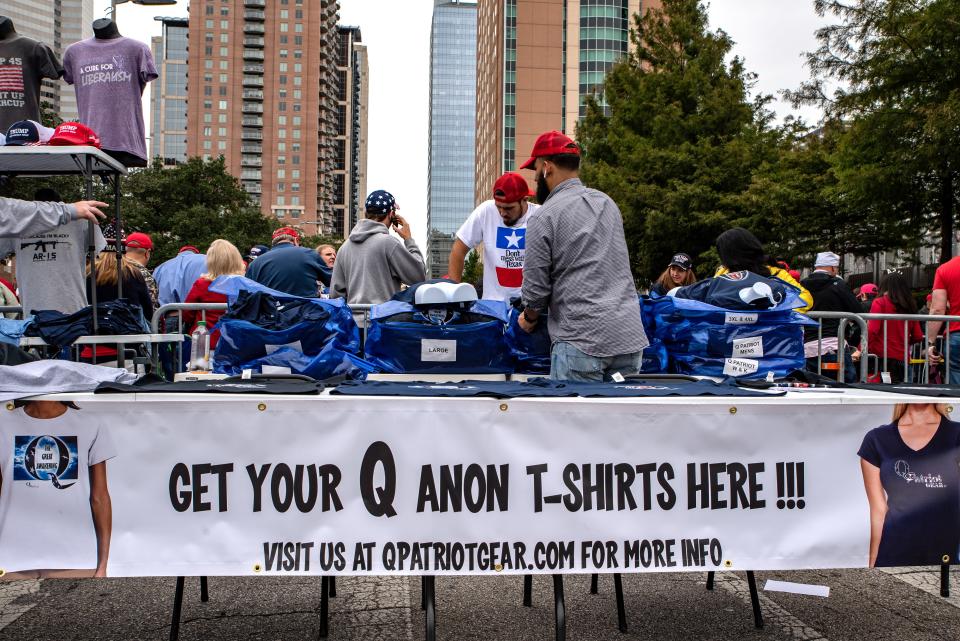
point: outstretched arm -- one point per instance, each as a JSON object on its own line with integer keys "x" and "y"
{"x": 102, "y": 510}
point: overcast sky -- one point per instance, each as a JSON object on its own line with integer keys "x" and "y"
{"x": 771, "y": 35}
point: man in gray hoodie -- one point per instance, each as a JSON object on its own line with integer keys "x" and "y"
{"x": 371, "y": 265}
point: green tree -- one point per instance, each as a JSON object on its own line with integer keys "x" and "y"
{"x": 473, "y": 271}
{"x": 317, "y": 240}
{"x": 895, "y": 65}
{"x": 193, "y": 203}
{"x": 680, "y": 141}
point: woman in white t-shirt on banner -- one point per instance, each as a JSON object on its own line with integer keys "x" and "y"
{"x": 56, "y": 517}
{"x": 500, "y": 225}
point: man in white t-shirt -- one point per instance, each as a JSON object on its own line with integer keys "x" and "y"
{"x": 55, "y": 510}
{"x": 500, "y": 224}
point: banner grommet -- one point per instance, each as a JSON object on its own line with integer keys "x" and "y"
{"x": 945, "y": 559}
{"x": 11, "y": 407}
{"x": 733, "y": 410}
{"x": 504, "y": 407}
{"x": 2, "y": 572}
{"x": 262, "y": 407}
{"x": 949, "y": 409}
{"x": 257, "y": 567}
{"x": 728, "y": 563}
{"x": 498, "y": 568}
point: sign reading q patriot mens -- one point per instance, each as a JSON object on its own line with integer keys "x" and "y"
{"x": 347, "y": 485}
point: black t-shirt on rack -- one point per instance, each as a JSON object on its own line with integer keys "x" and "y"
{"x": 24, "y": 63}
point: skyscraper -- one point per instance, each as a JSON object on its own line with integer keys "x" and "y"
{"x": 242, "y": 102}
{"x": 58, "y": 24}
{"x": 537, "y": 61}
{"x": 350, "y": 173}
{"x": 453, "y": 47}
{"x": 168, "y": 100}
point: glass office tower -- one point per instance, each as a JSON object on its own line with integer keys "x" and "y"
{"x": 453, "y": 47}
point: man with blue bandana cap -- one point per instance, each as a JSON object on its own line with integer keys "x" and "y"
{"x": 372, "y": 265}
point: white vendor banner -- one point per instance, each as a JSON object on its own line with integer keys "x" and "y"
{"x": 172, "y": 485}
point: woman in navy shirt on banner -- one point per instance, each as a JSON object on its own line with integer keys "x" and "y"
{"x": 911, "y": 472}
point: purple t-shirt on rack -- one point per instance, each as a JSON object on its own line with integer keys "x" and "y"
{"x": 109, "y": 77}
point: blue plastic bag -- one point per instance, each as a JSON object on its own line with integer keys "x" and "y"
{"x": 331, "y": 361}
{"x": 400, "y": 340}
{"x": 530, "y": 352}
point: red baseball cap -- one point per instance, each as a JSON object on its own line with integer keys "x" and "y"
{"x": 74, "y": 133}
{"x": 511, "y": 188}
{"x": 551, "y": 144}
{"x": 139, "y": 240}
{"x": 188, "y": 248}
{"x": 285, "y": 231}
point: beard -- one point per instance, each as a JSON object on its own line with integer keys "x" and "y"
{"x": 543, "y": 190}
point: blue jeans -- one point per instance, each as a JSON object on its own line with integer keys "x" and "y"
{"x": 567, "y": 363}
{"x": 955, "y": 357}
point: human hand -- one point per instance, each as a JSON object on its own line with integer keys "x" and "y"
{"x": 90, "y": 210}
{"x": 524, "y": 324}
{"x": 401, "y": 227}
{"x": 933, "y": 356}
{"x": 856, "y": 355}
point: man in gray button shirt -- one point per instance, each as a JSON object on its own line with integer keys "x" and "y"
{"x": 577, "y": 267}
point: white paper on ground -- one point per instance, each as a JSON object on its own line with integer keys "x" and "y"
{"x": 796, "y": 588}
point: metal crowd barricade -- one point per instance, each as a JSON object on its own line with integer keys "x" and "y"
{"x": 912, "y": 357}
{"x": 11, "y": 309}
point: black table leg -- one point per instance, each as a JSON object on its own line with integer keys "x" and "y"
{"x": 204, "y": 594}
{"x": 324, "y": 607}
{"x": 710, "y": 576}
{"x": 423, "y": 593}
{"x": 594, "y": 579}
{"x": 177, "y": 605}
{"x": 621, "y": 610}
{"x": 560, "y": 608}
{"x": 755, "y": 600}
{"x": 333, "y": 587}
{"x": 528, "y": 590}
{"x": 945, "y": 580}
{"x": 431, "y": 616}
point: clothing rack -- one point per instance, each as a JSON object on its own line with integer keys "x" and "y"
{"x": 86, "y": 162}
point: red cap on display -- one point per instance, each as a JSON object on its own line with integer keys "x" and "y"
{"x": 551, "y": 143}
{"x": 188, "y": 248}
{"x": 74, "y": 133}
{"x": 139, "y": 240}
{"x": 511, "y": 188}
{"x": 286, "y": 231}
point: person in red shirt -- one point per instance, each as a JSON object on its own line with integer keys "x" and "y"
{"x": 946, "y": 293}
{"x": 223, "y": 259}
{"x": 895, "y": 298}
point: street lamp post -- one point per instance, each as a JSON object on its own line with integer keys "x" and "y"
{"x": 148, "y": 3}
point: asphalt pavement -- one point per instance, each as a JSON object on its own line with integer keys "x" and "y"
{"x": 902, "y": 604}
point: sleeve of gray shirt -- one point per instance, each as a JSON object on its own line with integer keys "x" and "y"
{"x": 537, "y": 288}
{"x": 407, "y": 263}
{"x": 20, "y": 218}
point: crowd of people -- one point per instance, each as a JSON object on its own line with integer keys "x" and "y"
{"x": 563, "y": 257}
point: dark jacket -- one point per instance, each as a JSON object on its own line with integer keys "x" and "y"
{"x": 290, "y": 269}
{"x": 831, "y": 294}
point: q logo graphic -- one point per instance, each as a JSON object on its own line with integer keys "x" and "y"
{"x": 46, "y": 458}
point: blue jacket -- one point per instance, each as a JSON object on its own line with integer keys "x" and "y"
{"x": 290, "y": 269}
{"x": 176, "y": 276}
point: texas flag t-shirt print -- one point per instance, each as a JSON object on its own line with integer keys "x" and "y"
{"x": 510, "y": 249}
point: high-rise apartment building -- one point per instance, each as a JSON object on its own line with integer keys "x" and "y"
{"x": 453, "y": 66}
{"x": 168, "y": 98}
{"x": 58, "y": 24}
{"x": 537, "y": 61}
{"x": 272, "y": 117}
{"x": 350, "y": 167}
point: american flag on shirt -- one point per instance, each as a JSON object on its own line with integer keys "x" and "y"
{"x": 11, "y": 78}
